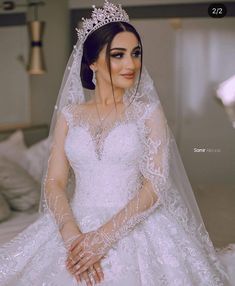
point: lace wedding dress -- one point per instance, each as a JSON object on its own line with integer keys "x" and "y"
{"x": 153, "y": 250}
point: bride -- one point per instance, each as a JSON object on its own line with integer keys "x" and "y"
{"x": 117, "y": 207}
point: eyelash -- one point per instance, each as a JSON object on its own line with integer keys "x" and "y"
{"x": 136, "y": 54}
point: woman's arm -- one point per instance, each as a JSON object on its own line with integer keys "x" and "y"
{"x": 54, "y": 190}
{"x": 55, "y": 183}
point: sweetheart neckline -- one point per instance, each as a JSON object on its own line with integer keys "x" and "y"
{"x": 99, "y": 155}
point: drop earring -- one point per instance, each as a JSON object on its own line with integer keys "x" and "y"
{"x": 94, "y": 78}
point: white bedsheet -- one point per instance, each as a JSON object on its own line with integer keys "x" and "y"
{"x": 15, "y": 224}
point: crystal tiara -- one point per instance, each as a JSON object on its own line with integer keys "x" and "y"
{"x": 100, "y": 17}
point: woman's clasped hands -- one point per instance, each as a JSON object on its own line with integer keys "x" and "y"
{"x": 85, "y": 254}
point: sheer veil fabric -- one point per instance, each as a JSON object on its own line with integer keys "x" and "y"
{"x": 162, "y": 180}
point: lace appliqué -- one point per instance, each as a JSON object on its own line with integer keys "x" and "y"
{"x": 79, "y": 117}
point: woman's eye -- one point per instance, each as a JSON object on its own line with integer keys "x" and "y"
{"x": 137, "y": 54}
{"x": 117, "y": 56}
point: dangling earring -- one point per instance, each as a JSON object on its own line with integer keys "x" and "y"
{"x": 94, "y": 78}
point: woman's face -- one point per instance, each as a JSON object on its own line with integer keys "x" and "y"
{"x": 125, "y": 60}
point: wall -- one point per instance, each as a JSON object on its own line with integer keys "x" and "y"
{"x": 43, "y": 89}
{"x": 206, "y": 58}
{"x": 15, "y": 97}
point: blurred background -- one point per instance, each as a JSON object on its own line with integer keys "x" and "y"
{"x": 188, "y": 54}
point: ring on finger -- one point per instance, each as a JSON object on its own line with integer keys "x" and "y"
{"x": 80, "y": 255}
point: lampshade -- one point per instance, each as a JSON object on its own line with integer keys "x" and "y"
{"x": 36, "y": 64}
{"x": 226, "y": 94}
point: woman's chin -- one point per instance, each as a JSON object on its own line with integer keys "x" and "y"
{"x": 127, "y": 84}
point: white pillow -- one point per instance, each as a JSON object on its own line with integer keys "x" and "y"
{"x": 14, "y": 147}
{"x": 20, "y": 190}
{"x": 34, "y": 157}
{"x": 5, "y": 210}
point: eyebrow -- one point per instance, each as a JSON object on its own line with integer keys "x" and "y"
{"x": 123, "y": 49}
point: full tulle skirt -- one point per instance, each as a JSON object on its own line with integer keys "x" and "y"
{"x": 156, "y": 253}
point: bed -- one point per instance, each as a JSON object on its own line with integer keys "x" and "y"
{"x": 21, "y": 163}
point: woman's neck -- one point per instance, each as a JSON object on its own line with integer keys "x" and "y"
{"x": 104, "y": 95}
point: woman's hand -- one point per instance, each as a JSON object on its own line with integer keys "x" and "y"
{"x": 85, "y": 251}
{"x": 95, "y": 271}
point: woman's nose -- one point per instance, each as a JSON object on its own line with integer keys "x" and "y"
{"x": 129, "y": 64}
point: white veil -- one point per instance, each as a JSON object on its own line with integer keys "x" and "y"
{"x": 175, "y": 193}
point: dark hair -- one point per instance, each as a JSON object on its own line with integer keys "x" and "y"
{"x": 95, "y": 43}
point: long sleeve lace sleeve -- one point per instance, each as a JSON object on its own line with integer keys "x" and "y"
{"x": 153, "y": 167}
{"x": 55, "y": 183}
